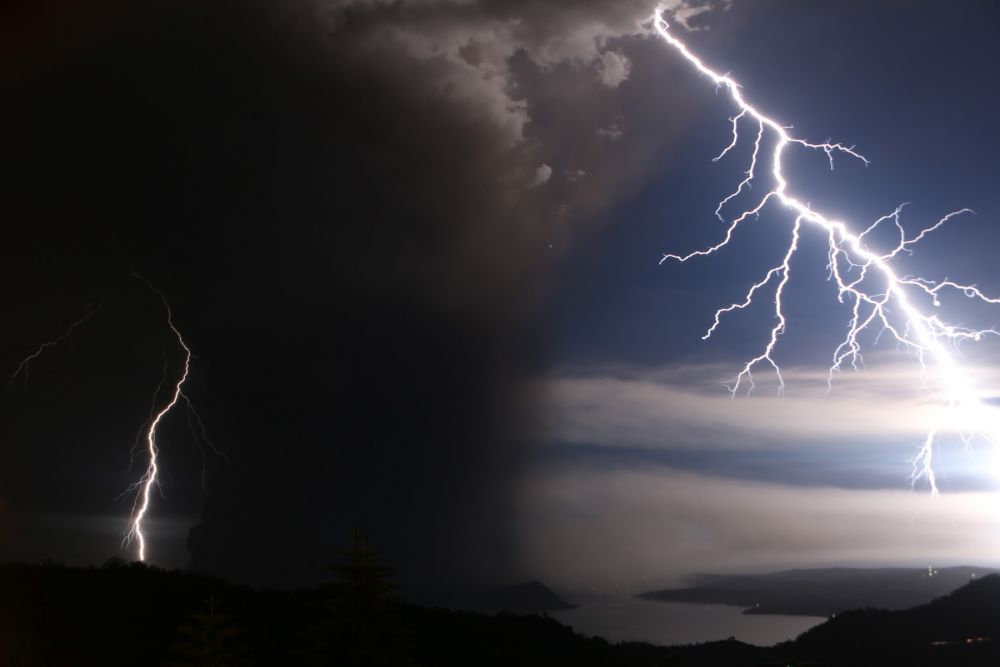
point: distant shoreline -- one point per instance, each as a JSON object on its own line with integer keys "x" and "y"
{"x": 821, "y": 592}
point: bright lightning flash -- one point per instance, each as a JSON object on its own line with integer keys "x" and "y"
{"x": 150, "y": 478}
{"x": 874, "y": 287}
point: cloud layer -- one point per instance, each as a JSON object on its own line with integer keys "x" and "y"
{"x": 639, "y": 530}
{"x": 689, "y": 407}
{"x": 655, "y": 473}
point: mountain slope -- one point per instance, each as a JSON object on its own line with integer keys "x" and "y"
{"x": 958, "y": 629}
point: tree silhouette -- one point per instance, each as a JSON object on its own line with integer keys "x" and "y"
{"x": 362, "y": 624}
{"x": 210, "y": 639}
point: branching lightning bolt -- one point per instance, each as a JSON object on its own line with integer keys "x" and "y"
{"x": 23, "y": 367}
{"x": 146, "y": 439}
{"x": 926, "y": 335}
{"x": 150, "y": 478}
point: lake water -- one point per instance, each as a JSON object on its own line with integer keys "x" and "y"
{"x": 633, "y": 619}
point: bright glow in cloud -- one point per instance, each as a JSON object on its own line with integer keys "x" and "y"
{"x": 683, "y": 407}
{"x": 613, "y": 68}
{"x": 542, "y": 175}
{"x": 639, "y": 528}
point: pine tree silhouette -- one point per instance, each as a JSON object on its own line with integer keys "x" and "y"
{"x": 363, "y": 626}
{"x": 210, "y": 639}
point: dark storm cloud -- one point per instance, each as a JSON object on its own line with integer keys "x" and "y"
{"x": 352, "y": 208}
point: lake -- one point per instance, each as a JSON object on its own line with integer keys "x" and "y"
{"x": 633, "y": 619}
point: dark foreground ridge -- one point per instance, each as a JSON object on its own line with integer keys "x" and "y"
{"x": 130, "y": 614}
{"x": 822, "y": 592}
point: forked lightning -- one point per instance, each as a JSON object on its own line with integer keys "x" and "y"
{"x": 882, "y": 299}
{"x": 150, "y": 478}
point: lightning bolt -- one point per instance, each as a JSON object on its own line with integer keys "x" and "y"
{"x": 150, "y": 477}
{"x": 23, "y": 367}
{"x": 875, "y": 288}
{"x": 147, "y": 432}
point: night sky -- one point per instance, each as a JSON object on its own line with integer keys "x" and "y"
{"x": 415, "y": 247}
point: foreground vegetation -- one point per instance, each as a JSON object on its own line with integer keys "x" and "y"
{"x": 129, "y": 614}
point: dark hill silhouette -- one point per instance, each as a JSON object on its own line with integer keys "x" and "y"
{"x": 127, "y": 614}
{"x": 130, "y": 614}
{"x": 962, "y": 627}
